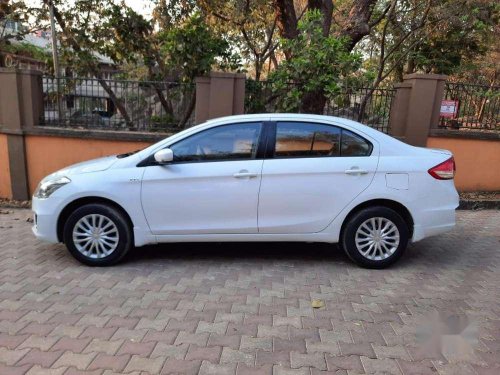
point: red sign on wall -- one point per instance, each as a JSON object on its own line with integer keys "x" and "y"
{"x": 449, "y": 108}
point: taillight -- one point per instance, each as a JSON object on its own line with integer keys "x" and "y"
{"x": 444, "y": 171}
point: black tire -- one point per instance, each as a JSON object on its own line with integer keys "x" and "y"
{"x": 348, "y": 237}
{"x": 125, "y": 236}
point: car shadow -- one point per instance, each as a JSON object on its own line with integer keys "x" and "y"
{"x": 419, "y": 255}
{"x": 239, "y": 251}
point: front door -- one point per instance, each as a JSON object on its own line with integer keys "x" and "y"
{"x": 211, "y": 186}
{"x": 312, "y": 173}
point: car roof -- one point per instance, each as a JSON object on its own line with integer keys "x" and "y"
{"x": 390, "y": 145}
{"x": 298, "y": 117}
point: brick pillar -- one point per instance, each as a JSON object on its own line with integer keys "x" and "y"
{"x": 21, "y": 107}
{"x": 416, "y": 106}
{"x": 219, "y": 94}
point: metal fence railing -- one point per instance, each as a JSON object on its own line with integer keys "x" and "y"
{"x": 117, "y": 104}
{"x": 371, "y": 106}
{"x": 470, "y": 106}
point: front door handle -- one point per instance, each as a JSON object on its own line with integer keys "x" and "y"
{"x": 245, "y": 174}
{"x": 355, "y": 171}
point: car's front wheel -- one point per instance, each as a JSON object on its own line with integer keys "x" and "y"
{"x": 375, "y": 237}
{"x": 97, "y": 235}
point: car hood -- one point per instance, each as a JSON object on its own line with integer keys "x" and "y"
{"x": 95, "y": 165}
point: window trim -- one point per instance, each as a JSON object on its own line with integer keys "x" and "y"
{"x": 261, "y": 147}
{"x": 270, "y": 152}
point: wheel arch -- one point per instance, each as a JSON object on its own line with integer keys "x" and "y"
{"x": 77, "y": 203}
{"x": 389, "y": 203}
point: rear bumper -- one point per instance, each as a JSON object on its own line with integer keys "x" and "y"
{"x": 433, "y": 222}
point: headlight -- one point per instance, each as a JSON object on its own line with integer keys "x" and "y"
{"x": 45, "y": 189}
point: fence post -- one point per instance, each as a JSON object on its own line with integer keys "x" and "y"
{"x": 21, "y": 107}
{"x": 219, "y": 94}
{"x": 416, "y": 107}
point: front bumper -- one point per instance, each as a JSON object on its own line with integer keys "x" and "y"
{"x": 46, "y": 213}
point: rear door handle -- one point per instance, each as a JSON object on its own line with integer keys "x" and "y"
{"x": 355, "y": 171}
{"x": 245, "y": 174}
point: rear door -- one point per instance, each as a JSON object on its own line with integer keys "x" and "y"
{"x": 311, "y": 172}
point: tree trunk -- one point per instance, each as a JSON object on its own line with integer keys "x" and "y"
{"x": 166, "y": 105}
{"x": 189, "y": 110}
{"x": 286, "y": 21}
{"x": 287, "y": 18}
{"x": 364, "y": 102}
{"x": 326, "y": 8}
{"x": 357, "y": 25}
{"x": 313, "y": 102}
{"x": 258, "y": 68}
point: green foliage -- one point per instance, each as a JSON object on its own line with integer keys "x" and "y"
{"x": 318, "y": 64}
{"x": 28, "y": 50}
{"x": 255, "y": 96}
{"x": 464, "y": 27}
{"x": 192, "y": 50}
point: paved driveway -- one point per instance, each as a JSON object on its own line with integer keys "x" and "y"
{"x": 246, "y": 308}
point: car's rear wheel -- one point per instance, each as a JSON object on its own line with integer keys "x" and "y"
{"x": 97, "y": 235}
{"x": 375, "y": 237}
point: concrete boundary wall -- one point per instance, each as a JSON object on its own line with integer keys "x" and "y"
{"x": 477, "y": 160}
{"x": 48, "y": 153}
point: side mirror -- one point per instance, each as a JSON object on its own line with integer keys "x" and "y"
{"x": 164, "y": 156}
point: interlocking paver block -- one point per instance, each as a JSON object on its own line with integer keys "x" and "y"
{"x": 279, "y": 370}
{"x": 140, "y": 348}
{"x": 218, "y": 328}
{"x": 235, "y": 356}
{"x": 272, "y": 358}
{"x": 103, "y": 346}
{"x": 208, "y": 368}
{"x": 148, "y": 365}
{"x": 294, "y": 321}
{"x": 243, "y": 369}
{"x": 269, "y": 331}
{"x": 202, "y": 304}
{"x": 181, "y": 367}
{"x": 200, "y": 339}
{"x": 316, "y": 360}
{"x": 71, "y": 344}
{"x": 352, "y": 363}
{"x": 364, "y": 349}
{"x": 395, "y": 352}
{"x": 322, "y": 347}
{"x": 250, "y": 344}
{"x": 383, "y": 366}
{"x": 9, "y": 357}
{"x": 113, "y": 362}
{"x": 38, "y": 370}
{"x": 170, "y": 351}
{"x": 69, "y": 359}
{"x": 37, "y": 357}
{"x": 211, "y": 354}
{"x": 39, "y": 342}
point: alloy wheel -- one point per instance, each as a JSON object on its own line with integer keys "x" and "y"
{"x": 377, "y": 238}
{"x": 95, "y": 236}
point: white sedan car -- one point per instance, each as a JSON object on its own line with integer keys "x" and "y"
{"x": 269, "y": 177}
